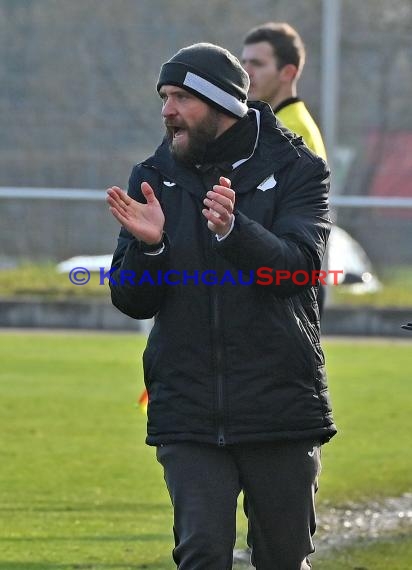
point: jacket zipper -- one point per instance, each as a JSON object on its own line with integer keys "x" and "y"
{"x": 218, "y": 351}
{"x": 219, "y": 375}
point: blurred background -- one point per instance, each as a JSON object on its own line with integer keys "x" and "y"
{"x": 78, "y": 108}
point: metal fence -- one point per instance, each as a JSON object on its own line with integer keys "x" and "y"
{"x": 41, "y": 224}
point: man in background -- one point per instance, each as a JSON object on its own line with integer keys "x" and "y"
{"x": 273, "y": 56}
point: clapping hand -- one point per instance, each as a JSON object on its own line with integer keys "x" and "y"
{"x": 144, "y": 221}
{"x": 219, "y": 211}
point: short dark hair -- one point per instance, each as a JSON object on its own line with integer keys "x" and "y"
{"x": 287, "y": 44}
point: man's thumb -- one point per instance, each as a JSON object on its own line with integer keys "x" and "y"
{"x": 148, "y": 193}
{"x": 225, "y": 182}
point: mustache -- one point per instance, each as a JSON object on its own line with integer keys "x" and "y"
{"x": 174, "y": 124}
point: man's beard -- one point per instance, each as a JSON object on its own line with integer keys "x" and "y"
{"x": 198, "y": 138}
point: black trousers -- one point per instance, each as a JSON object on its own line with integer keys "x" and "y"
{"x": 204, "y": 481}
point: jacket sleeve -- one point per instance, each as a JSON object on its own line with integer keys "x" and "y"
{"x": 297, "y": 238}
{"x": 133, "y": 274}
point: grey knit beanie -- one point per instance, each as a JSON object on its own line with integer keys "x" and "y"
{"x": 211, "y": 73}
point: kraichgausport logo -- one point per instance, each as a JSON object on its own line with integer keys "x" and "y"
{"x": 263, "y": 276}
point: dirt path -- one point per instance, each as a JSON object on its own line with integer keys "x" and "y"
{"x": 340, "y": 527}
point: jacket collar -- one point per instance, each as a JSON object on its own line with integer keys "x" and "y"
{"x": 275, "y": 149}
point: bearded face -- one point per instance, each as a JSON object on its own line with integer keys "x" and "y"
{"x": 188, "y": 142}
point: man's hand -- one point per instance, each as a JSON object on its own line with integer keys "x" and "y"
{"x": 144, "y": 221}
{"x": 219, "y": 204}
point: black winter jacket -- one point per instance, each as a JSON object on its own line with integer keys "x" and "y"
{"x": 231, "y": 363}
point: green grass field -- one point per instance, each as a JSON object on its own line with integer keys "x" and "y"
{"x": 79, "y": 489}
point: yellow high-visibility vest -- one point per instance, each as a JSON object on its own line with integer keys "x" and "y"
{"x": 297, "y": 119}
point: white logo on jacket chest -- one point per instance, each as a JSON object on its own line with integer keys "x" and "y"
{"x": 167, "y": 183}
{"x": 268, "y": 183}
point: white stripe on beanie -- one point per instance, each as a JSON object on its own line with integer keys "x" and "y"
{"x": 215, "y": 94}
